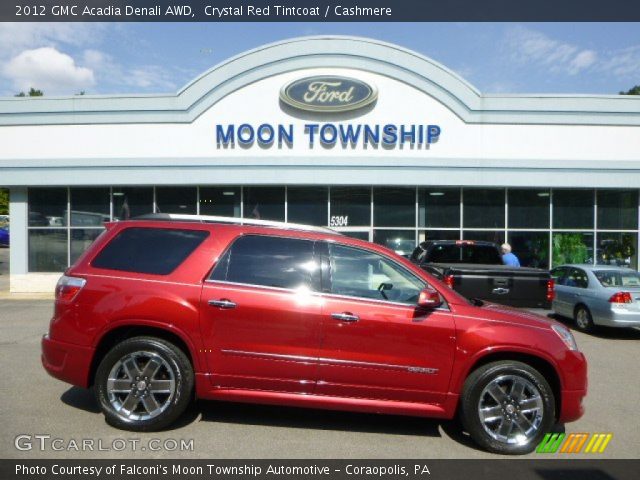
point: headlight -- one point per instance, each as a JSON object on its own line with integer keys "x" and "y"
{"x": 566, "y": 336}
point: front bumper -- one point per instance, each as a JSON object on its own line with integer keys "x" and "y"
{"x": 575, "y": 386}
{"x": 67, "y": 362}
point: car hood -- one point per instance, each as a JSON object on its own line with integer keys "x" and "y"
{"x": 503, "y": 313}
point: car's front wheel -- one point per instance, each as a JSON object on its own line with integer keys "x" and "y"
{"x": 144, "y": 384}
{"x": 507, "y": 407}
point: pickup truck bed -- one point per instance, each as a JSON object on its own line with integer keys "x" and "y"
{"x": 514, "y": 286}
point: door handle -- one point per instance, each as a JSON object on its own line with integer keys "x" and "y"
{"x": 222, "y": 303}
{"x": 345, "y": 317}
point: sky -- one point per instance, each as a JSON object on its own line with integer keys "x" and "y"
{"x": 105, "y": 58}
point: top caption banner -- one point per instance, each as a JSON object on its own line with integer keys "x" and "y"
{"x": 319, "y": 11}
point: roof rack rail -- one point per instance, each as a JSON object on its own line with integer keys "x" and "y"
{"x": 233, "y": 220}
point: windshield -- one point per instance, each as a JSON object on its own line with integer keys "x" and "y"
{"x": 617, "y": 278}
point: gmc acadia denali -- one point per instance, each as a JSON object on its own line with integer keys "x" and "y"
{"x": 164, "y": 309}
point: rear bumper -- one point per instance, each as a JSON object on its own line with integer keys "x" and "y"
{"x": 67, "y": 362}
{"x": 618, "y": 317}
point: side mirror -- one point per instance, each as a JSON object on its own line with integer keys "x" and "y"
{"x": 429, "y": 298}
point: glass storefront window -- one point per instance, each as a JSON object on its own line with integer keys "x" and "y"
{"x": 572, "y": 208}
{"x": 47, "y": 207}
{"x": 131, "y": 202}
{"x": 394, "y": 207}
{"x": 528, "y": 208}
{"x": 531, "y": 248}
{"x": 350, "y": 207}
{"x": 89, "y": 207}
{"x": 439, "y": 207}
{"x": 427, "y": 235}
{"x": 176, "y": 200}
{"x": 483, "y": 207}
{"x": 495, "y": 236}
{"x": 81, "y": 239}
{"x": 403, "y": 242}
{"x": 572, "y": 247}
{"x": 220, "y": 201}
{"x": 618, "y": 209}
{"x": 48, "y": 250}
{"x": 308, "y": 205}
{"x": 264, "y": 203}
{"x": 617, "y": 249}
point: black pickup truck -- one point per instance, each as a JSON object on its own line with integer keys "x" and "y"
{"x": 475, "y": 270}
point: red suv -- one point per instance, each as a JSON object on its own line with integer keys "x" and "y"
{"x": 167, "y": 308}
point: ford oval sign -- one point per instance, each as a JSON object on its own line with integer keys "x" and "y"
{"x": 328, "y": 93}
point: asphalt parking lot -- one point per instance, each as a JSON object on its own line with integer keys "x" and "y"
{"x": 32, "y": 403}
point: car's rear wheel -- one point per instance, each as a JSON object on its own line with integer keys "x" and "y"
{"x": 507, "y": 407}
{"x": 144, "y": 384}
{"x": 584, "y": 320}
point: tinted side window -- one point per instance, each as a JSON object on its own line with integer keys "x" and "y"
{"x": 269, "y": 261}
{"x": 149, "y": 250}
{"x": 577, "y": 278}
{"x": 559, "y": 275}
{"x": 360, "y": 273}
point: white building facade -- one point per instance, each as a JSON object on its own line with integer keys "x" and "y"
{"x": 424, "y": 155}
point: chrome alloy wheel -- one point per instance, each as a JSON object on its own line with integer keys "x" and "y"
{"x": 511, "y": 409}
{"x": 141, "y": 385}
{"x": 582, "y": 319}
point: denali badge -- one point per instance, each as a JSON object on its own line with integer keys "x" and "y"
{"x": 328, "y": 93}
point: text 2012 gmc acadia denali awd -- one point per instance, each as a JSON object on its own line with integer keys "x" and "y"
{"x": 164, "y": 309}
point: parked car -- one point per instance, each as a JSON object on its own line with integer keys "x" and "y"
{"x": 4, "y": 236}
{"x": 597, "y": 295}
{"x": 475, "y": 270}
{"x": 164, "y": 308}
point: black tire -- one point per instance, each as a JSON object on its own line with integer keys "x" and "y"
{"x": 583, "y": 319}
{"x": 493, "y": 373}
{"x": 174, "y": 384}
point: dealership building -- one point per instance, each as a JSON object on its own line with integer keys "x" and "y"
{"x": 374, "y": 140}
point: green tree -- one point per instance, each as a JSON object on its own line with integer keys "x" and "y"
{"x": 32, "y": 93}
{"x": 632, "y": 91}
{"x": 569, "y": 248}
{"x": 4, "y": 201}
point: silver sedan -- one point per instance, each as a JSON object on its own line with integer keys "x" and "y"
{"x": 597, "y": 295}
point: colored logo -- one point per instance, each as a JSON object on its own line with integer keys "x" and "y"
{"x": 574, "y": 443}
{"x": 328, "y": 93}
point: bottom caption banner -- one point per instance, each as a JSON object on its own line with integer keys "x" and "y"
{"x": 312, "y": 469}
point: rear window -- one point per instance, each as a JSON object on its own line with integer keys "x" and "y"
{"x": 480, "y": 254}
{"x": 616, "y": 278}
{"x": 157, "y": 251}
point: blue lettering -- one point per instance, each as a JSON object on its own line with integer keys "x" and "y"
{"x": 285, "y": 135}
{"x": 328, "y": 133}
{"x": 390, "y": 136}
{"x": 245, "y": 140}
{"x": 265, "y": 134}
{"x": 311, "y": 129}
{"x": 222, "y": 138}
{"x": 407, "y": 134}
{"x": 372, "y": 135}
{"x": 433, "y": 133}
{"x": 349, "y": 135}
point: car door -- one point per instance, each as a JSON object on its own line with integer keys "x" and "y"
{"x": 376, "y": 342}
{"x": 260, "y": 315}
{"x": 575, "y": 289}
{"x": 560, "y": 303}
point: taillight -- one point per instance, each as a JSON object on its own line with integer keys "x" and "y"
{"x": 621, "y": 297}
{"x": 68, "y": 287}
{"x": 449, "y": 281}
{"x": 551, "y": 293}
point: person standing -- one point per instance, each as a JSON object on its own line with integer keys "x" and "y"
{"x": 508, "y": 258}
